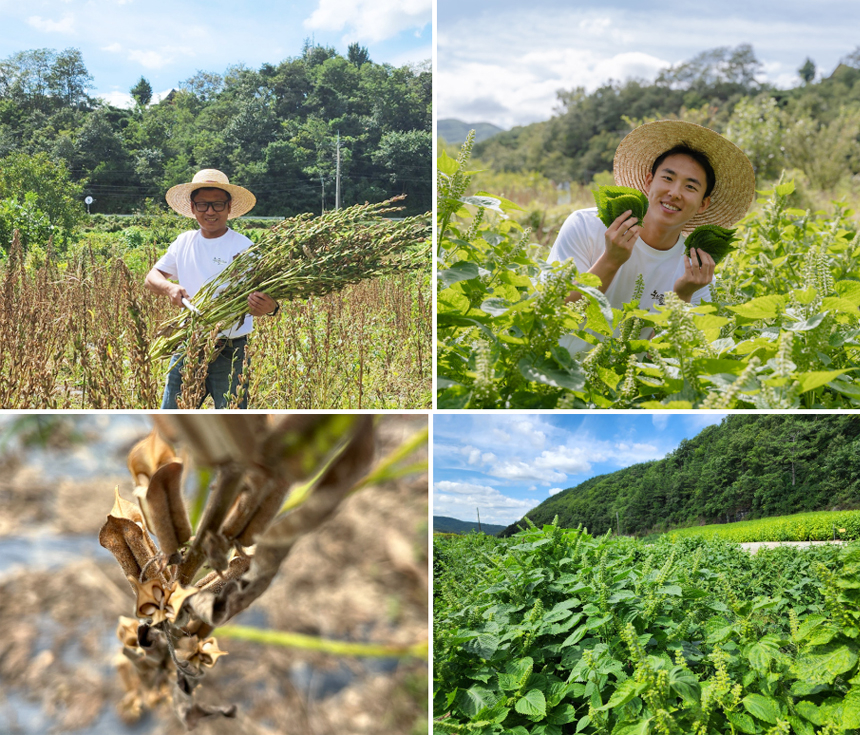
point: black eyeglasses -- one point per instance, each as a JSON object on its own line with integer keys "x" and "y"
{"x": 204, "y": 206}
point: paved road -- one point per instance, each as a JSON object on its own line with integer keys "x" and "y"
{"x": 754, "y": 546}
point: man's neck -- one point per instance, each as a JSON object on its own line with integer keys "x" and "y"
{"x": 213, "y": 236}
{"x": 659, "y": 238}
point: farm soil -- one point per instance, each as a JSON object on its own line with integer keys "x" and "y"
{"x": 362, "y": 577}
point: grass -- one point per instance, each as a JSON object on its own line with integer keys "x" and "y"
{"x": 815, "y": 526}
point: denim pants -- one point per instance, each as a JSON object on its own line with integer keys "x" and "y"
{"x": 222, "y": 376}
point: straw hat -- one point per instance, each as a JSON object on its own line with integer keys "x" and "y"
{"x": 734, "y": 189}
{"x": 179, "y": 196}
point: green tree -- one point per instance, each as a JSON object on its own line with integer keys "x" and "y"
{"x": 357, "y": 55}
{"x": 807, "y": 71}
{"x": 142, "y": 92}
{"x": 756, "y": 128}
{"x": 31, "y": 186}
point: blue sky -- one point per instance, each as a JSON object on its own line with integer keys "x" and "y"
{"x": 505, "y": 464}
{"x": 167, "y": 41}
{"x": 502, "y": 64}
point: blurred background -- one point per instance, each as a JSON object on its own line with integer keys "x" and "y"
{"x": 361, "y": 577}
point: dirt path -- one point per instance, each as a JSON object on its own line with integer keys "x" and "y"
{"x": 754, "y": 546}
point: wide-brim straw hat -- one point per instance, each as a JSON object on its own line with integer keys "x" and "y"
{"x": 179, "y": 196}
{"x": 734, "y": 189}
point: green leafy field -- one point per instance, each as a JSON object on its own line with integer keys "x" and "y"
{"x": 819, "y": 526}
{"x": 553, "y": 631}
{"x": 781, "y": 331}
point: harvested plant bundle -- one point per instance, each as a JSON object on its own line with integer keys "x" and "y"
{"x": 716, "y": 241}
{"x": 613, "y": 201}
{"x": 304, "y": 256}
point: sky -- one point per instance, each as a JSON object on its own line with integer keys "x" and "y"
{"x": 506, "y": 464}
{"x": 500, "y": 64}
{"x": 167, "y": 41}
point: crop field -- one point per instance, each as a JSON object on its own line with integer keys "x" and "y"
{"x": 782, "y": 330}
{"x": 554, "y": 631}
{"x": 78, "y": 336}
{"x": 819, "y": 526}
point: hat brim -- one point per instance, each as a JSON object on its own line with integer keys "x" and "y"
{"x": 178, "y": 198}
{"x": 734, "y": 188}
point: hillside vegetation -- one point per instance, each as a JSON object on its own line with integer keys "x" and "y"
{"x": 749, "y": 466}
{"x": 812, "y": 128}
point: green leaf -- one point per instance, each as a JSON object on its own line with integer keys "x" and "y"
{"x": 765, "y": 708}
{"x": 495, "y": 307}
{"x": 826, "y": 663}
{"x": 764, "y": 307}
{"x": 486, "y": 202}
{"x": 742, "y": 722}
{"x": 540, "y": 372}
{"x": 462, "y": 270}
{"x": 475, "y": 698}
{"x": 813, "y": 380}
{"x": 626, "y": 690}
{"x": 532, "y": 704}
{"x": 446, "y": 164}
{"x": 484, "y": 645}
{"x": 785, "y": 189}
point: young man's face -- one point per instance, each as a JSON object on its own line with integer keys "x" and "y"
{"x": 676, "y": 191}
{"x": 212, "y": 223}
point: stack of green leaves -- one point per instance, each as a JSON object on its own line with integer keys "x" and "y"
{"x": 613, "y": 201}
{"x": 716, "y": 241}
{"x": 300, "y": 257}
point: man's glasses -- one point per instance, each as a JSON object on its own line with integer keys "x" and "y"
{"x": 204, "y": 206}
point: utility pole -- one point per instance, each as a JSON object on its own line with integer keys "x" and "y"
{"x": 322, "y": 183}
{"x": 337, "y": 176}
{"x": 479, "y": 520}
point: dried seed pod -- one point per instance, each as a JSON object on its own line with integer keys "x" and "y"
{"x": 164, "y": 508}
{"x": 147, "y": 456}
{"x": 130, "y": 545}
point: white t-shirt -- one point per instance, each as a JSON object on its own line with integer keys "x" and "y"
{"x": 194, "y": 260}
{"x": 582, "y": 237}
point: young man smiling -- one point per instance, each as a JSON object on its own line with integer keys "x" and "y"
{"x": 195, "y": 258}
{"x": 691, "y": 176}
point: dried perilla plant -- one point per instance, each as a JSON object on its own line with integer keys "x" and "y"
{"x": 197, "y": 579}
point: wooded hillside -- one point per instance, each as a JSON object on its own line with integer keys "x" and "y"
{"x": 813, "y": 127}
{"x": 273, "y": 130}
{"x": 748, "y": 466}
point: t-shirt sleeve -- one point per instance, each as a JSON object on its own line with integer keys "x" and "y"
{"x": 579, "y": 238}
{"x": 167, "y": 262}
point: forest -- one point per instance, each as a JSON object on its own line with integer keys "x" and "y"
{"x": 812, "y": 127}
{"x": 274, "y": 130}
{"x": 748, "y": 466}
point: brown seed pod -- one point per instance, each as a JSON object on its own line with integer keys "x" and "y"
{"x": 164, "y": 508}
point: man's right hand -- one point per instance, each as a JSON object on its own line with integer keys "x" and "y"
{"x": 621, "y": 236}
{"x": 176, "y": 293}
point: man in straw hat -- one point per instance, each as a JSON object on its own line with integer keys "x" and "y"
{"x": 195, "y": 258}
{"x": 692, "y": 176}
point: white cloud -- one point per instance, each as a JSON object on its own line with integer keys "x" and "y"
{"x": 533, "y": 488}
{"x": 64, "y": 25}
{"x": 500, "y": 436}
{"x": 114, "y": 48}
{"x": 660, "y": 420}
{"x": 488, "y": 457}
{"x": 555, "y": 490}
{"x": 118, "y": 99}
{"x": 462, "y": 499}
{"x": 149, "y": 59}
{"x": 570, "y": 460}
{"x": 523, "y": 471}
{"x": 475, "y": 456}
{"x": 527, "y": 428}
{"x": 370, "y": 20}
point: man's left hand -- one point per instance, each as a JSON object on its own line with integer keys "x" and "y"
{"x": 698, "y": 272}
{"x": 260, "y": 304}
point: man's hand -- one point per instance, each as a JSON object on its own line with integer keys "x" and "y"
{"x": 698, "y": 272}
{"x": 621, "y": 236}
{"x": 157, "y": 282}
{"x": 260, "y": 304}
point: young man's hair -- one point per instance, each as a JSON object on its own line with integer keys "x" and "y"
{"x": 697, "y": 156}
{"x": 211, "y": 188}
